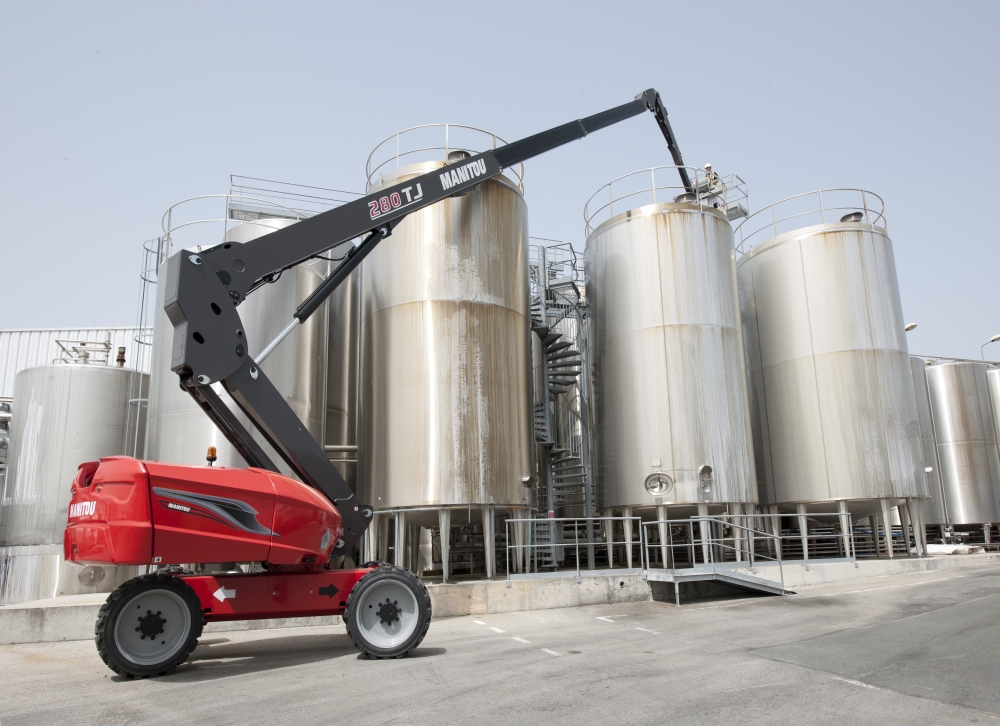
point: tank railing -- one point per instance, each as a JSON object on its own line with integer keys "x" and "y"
{"x": 309, "y": 200}
{"x": 823, "y": 210}
{"x": 955, "y": 360}
{"x": 84, "y": 351}
{"x": 710, "y": 191}
{"x": 397, "y": 151}
{"x": 523, "y": 543}
{"x": 170, "y": 227}
{"x": 707, "y": 545}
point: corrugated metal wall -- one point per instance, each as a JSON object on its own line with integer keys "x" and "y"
{"x": 20, "y": 349}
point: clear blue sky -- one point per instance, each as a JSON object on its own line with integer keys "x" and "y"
{"x": 111, "y": 112}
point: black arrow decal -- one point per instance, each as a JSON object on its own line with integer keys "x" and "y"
{"x": 329, "y": 590}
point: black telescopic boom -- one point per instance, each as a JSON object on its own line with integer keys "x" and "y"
{"x": 203, "y": 290}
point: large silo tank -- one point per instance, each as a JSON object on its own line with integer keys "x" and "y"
{"x": 669, "y": 381}
{"x": 834, "y": 412}
{"x": 934, "y": 512}
{"x": 966, "y": 443}
{"x": 342, "y": 377}
{"x": 65, "y": 415}
{"x": 179, "y": 431}
{"x": 445, "y": 353}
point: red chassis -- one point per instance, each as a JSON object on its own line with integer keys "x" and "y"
{"x": 129, "y": 512}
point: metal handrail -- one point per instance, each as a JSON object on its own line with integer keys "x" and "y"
{"x": 709, "y": 187}
{"x": 711, "y": 543}
{"x": 169, "y": 228}
{"x": 532, "y": 545}
{"x": 447, "y": 148}
{"x": 871, "y": 215}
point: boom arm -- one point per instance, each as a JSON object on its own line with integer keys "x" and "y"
{"x": 204, "y": 289}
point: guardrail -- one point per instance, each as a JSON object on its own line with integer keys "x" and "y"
{"x": 524, "y": 538}
{"x": 811, "y": 208}
{"x": 643, "y": 187}
{"x": 432, "y": 142}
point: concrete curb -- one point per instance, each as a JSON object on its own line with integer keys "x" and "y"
{"x": 73, "y": 618}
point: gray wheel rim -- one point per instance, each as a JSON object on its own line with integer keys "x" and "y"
{"x": 139, "y": 619}
{"x": 371, "y": 626}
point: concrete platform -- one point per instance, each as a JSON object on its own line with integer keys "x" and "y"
{"x": 73, "y": 617}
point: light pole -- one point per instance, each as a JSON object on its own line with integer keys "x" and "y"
{"x": 994, "y": 339}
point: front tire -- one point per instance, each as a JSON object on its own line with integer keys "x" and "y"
{"x": 148, "y": 626}
{"x": 388, "y": 613}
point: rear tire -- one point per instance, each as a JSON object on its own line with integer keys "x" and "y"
{"x": 148, "y": 626}
{"x": 388, "y": 613}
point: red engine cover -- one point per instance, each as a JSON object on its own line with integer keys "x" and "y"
{"x": 125, "y": 511}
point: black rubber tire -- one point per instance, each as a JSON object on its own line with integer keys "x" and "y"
{"x": 111, "y": 611}
{"x": 402, "y": 577}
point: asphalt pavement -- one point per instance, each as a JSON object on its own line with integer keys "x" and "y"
{"x": 919, "y": 648}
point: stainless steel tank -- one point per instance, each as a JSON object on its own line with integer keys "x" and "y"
{"x": 966, "y": 443}
{"x": 179, "y": 431}
{"x": 669, "y": 382}
{"x": 934, "y": 510}
{"x": 65, "y": 415}
{"x": 342, "y": 378}
{"x": 445, "y": 374}
{"x": 834, "y": 411}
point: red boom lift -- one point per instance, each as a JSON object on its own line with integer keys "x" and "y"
{"x": 129, "y": 512}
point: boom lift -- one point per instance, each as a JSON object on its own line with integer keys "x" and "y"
{"x": 129, "y": 512}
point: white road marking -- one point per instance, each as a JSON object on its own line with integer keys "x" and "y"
{"x": 479, "y": 622}
{"x": 497, "y": 630}
{"x": 221, "y": 660}
{"x": 550, "y": 652}
{"x": 521, "y": 640}
{"x": 857, "y": 683}
{"x": 607, "y": 620}
{"x": 648, "y": 631}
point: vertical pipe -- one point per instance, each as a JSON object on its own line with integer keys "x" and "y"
{"x": 444, "y": 528}
{"x": 800, "y": 509}
{"x": 661, "y": 514}
{"x": 489, "y": 542}
{"x": 887, "y": 526}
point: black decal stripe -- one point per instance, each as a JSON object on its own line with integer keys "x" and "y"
{"x": 232, "y": 512}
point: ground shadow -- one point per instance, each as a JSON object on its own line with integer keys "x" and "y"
{"x": 220, "y": 657}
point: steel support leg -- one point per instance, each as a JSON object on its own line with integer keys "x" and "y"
{"x": 887, "y": 526}
{"x": 444, "y": 528}
{"x": 383, "y": 538}
{"x": 704, "y": 533}
{"x": 609, "y": 534}
{"x": 489, "y": 542}
{"x": 800, "y": 509}
{"x": 775, "y": 521}
{"x": 736, "y": 517}
{"x": 904, "y": 521}
{"x": 677, "y": 593}
{"x": 627, "y": 512}
{"x": 845, "y": 526}
{"x": 399, "y": 549}
{"x": 661, "y": 514}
